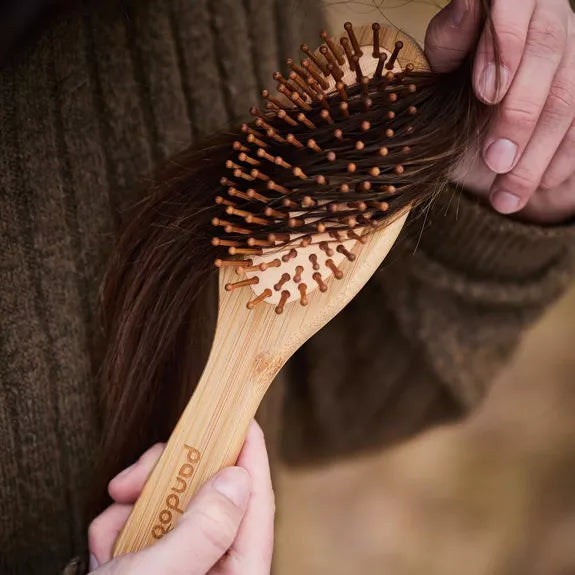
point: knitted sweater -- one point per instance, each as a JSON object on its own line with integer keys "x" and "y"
{"x": 96, "y": 101}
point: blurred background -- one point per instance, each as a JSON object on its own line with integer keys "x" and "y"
{"x": 407, "y": 510}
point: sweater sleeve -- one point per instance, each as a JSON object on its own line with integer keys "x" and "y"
{"x": 423, "y": 341}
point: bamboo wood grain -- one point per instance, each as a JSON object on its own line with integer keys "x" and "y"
{"x": 249, "y": 349}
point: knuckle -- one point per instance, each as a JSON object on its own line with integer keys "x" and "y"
{"x": 562, "y": 97}
{"x": 511, "y": 39}
{"x": 523, "y": 113}
{"x": 522, "y": 181}
{"x": 217, "y": 527}
{"x": 547, "y": 35}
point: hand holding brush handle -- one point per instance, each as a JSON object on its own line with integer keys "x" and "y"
{"x": 227, "y": 527}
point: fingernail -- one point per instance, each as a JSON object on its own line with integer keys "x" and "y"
{"x": 505, "y": 202}
{"x": 125, "y": 471}
{"x": 500, "y": 156}
{"x": 491, "y": 87}
{"x": 93, "y": 563}
{"x": 458, "y": 10}
{"x": 233, "y": 483}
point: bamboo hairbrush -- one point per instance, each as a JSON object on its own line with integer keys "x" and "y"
{"x": 314, "y": 197}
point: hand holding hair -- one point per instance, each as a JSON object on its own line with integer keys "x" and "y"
{"x": 528, "y": 153}
{"x": 227, "y": 528}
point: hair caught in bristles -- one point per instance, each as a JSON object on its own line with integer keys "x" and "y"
{"x": 338, "y": 161}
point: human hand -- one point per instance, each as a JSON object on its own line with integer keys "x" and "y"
{"x": 528, "y": 157}
{"x": 228, "y": 527}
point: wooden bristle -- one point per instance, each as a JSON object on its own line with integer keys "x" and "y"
{"x": 314, "y": 262}
{"x": 357, "y": 69}
{"x": 234, "y": 251}
{"x": 324, "y": 246}
{"x": 219, "y": 263}
{"x": 323, "y": 68}
{"x": 238, "y": 146}
{"x": 303, "y": 119}
{"x": 343, "y": 250}
{"x": 348, "y": 52}
{"x": 375, "y": 27}
{"x": 395, "y": 54}
{"x": 298, "y": 272}
{"x": 273, "y": 264}
{"x": 313, "y": 72}
{"x": 296, "y": 68}
{"x": 290, "y": 255}
{"x": 333, "y": 48}
{"x": 303, "y": 294}
{"x": 321, "y": 284}
{"x": 284, "y": 297}
{"x": 305, "y": 87}
{"x": 322, "y": 165}
{"x": 243, "y": 283}
{"x": 271, "y": 99}
{"x": 337, "y": 273}
{"x": 380, "y": 65}
{"x": 326, "y": 116}
{"x": 264, "y": 295}
{"x": 332, "y": 63}
{"x": 283, "y": 280}
{"x": 286, "y": 118}
{"x": 356, "y": 47}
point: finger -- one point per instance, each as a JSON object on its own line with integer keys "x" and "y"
{"x": 252, "y": 550}
{"x": 518, "y": 186}
{"x": 127, "y": 485}
{"x": 495, "y": 69}
{"x": 552, "y": 207}
{"x": 204, "y": 532}
{"x": 104, "y": 531}
{"x": 452, "y": 34}
{"x": 522, "y": 109}
{"x": 562, "y": 165}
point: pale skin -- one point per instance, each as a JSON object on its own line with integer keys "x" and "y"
{"x": 528, "y": 166}
{"x": 227, "y": 529}
{"x": 526, "y": 169}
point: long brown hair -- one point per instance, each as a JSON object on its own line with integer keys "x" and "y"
{"x": 159, "y": 299}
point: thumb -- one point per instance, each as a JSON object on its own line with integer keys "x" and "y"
{"x": 452, "y": 34}
{"x": 203, "y": 534}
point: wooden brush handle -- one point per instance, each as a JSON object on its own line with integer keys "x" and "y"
{"x": 208, "y": 437}
{"x": 249, "y": 349}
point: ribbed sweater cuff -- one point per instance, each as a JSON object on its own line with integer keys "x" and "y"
{"x": 463, "y": 235}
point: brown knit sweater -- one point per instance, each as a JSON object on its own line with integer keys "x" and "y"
{"x": 94, "y": 102}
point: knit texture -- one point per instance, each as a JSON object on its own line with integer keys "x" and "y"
{"x": 87, "y": 109}
{"x": 424, "y": 339}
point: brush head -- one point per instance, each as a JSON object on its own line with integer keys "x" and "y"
{"x": 326, "y": 164}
